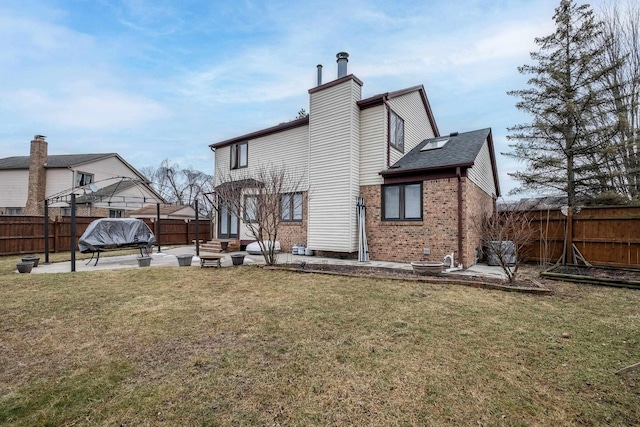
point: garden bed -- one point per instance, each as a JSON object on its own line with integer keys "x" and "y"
{"x": 524, "y": 284}
{"x": 609, "y": 276}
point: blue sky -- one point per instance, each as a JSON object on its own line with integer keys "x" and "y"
{"x": 162, "y": 79}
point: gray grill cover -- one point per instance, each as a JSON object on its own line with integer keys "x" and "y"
{"x": 111, "y": 233}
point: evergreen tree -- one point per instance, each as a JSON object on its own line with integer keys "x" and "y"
{"x": 566, "y": 89}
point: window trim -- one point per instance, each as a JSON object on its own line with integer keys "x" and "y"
{"x": 391, "y": 141}
{"x": 402, "y": 213}
{"x": 235, "y": 158}
{"x": 291, "y": 207}
{"x": 80, "y": 174}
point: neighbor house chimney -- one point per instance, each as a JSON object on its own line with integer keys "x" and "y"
{"x": 343, "y": 58}
{"x": 319, "y": 74}
{"x": 37, "y": 176}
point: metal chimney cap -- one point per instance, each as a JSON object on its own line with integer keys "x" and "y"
{"x": 342, "y": 55}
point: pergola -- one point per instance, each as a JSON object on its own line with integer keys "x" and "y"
{"x": 105, "y": 194}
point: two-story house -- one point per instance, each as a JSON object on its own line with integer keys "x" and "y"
{"x": 421, "y": 190}
{"x": 105, "y": 184}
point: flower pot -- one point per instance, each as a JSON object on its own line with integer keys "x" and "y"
{"x": 427, "y": 267}
{"x": 237, "y": 259}
{"x": 24, "y": 266}
{"x": 144, "y": 261}
{"x": 34, "y": 259}
{"x": 184, "y": 260}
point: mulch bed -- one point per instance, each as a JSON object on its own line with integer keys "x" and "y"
{"x": 610, "y": 276}
{"x": 526, "y": 284}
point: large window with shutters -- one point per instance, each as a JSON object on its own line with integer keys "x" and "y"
{"x": 402, "y": 202}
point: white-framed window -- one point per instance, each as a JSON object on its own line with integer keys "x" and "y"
{"x": 116, "y": 213}
{"x": 250, "y": 208}
{"x": 291, "y": 207}
{"x": 14, "y": 211}
{"x": 239, "y": 155}
{"x": 83, "y": 178}
{"x": 396, "y": 131}
{"x": 402, "y": 202}
{"x": 65, "y": 211}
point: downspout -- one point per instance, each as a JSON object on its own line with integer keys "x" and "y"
{"x": 385, "y": 102}
{"x": 460, "y": 252}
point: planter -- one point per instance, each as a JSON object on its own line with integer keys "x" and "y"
{"x": 24, "y": 266}
{"x": 33, "y": 259}
{"x": 237, "y": 259}
{"x": 144, "y": 261}
{"x": 308, "y": 252}
{"x": 184, "y": 260}
{"x": 427, "y": 267}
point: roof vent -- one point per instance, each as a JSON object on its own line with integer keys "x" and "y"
{"x": 319, "y": 66}
{"x": 343, "y": 58}
{"x": 453, "y": 134}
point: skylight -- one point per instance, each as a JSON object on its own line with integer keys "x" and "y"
{"x": 435, "y": 144}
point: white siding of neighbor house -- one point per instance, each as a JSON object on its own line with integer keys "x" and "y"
{"x": 109, "y": 167}
{"x": 14, "y": 188}
{"x": 417, "y": 127}
{"x": 288, "y": 149}
{"x": 373, "y": 145}
{"x": 334, "y": 164}
{"x": 481, "y": 173}
{"x": 59, "y": 180}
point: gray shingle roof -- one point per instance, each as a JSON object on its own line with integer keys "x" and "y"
{"x": 54, "y": 161}
{"x": 460, "y": 150}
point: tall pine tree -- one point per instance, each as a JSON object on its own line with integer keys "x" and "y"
{"x": 565, "y": 90}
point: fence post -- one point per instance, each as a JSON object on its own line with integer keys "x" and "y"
{"x": 569, "y": 253}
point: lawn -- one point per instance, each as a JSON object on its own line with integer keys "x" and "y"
{"x": 242, "y": 346}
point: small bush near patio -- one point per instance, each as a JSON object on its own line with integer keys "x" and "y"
{"x": 244, "y": 346}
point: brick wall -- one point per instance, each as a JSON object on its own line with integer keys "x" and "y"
{"x": 291, "y": 233}
{"x": 475, "y": 202}
{"x": 438, "y": 231}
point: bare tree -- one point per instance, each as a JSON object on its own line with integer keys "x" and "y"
{"x": 262, "y": 198}
{"x": 497, "y": 229}
{"x": 182, "y": 186}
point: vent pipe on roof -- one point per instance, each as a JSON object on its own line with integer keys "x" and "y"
{"x": 319, "y": 74}
{"x": 343, "y": 58}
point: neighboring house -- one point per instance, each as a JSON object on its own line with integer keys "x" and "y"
{"x": 166, "y": 212}
{"x": 105, "y": 184}
{"x": 421, "y": 191}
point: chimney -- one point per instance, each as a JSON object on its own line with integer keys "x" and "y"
{"x": 37, "y": 176}
{"x": 343, "y": 58}
{"x": 319, "y": 74}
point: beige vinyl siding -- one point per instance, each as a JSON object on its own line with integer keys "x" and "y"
{"x": 14, "y": 188}
{"x": 416, "y": 123}
{"x": 288, "y": 149}
{"x": 373, "y": 145}
{"x": 109, "y": 167}
{"x": 334, "y": 167}
{"x": 58, "y": 181}
{"x": 481, "y": 173}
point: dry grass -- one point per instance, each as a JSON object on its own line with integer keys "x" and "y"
{"x": 244, "y": 346}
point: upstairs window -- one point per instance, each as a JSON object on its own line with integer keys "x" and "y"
{"x": 396, "y": 131}
{"x": 402, "y": 202}
{"x": 291, "y": 207}
{"x": 239, "y": 155}
{"x": 83, "y": 178}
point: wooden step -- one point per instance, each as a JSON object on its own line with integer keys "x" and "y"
{"x": 219, "y": 246}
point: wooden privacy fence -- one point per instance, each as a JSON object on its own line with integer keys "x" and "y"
{"x": 25, "y": 234}
{"x": 605, "y": 236}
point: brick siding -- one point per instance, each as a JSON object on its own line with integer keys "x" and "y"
{"x": 438, "y": 230}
